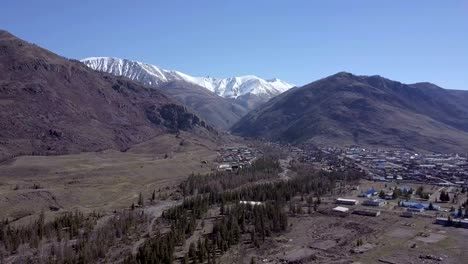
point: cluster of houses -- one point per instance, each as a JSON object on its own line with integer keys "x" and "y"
{"x": 391, "y": 165}
{"x": 234, "y": 158}
{"x": 327, "y": 159}
{"x": 402, "y": 165}
{"x": 374, "y": 201}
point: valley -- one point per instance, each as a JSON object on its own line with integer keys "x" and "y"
{"x": 160, "y": 192}
{"x": 113, "y": 159}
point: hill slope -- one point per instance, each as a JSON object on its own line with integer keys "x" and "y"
{"x": 346, "y": 109}
{"x": 249, "y": 90}
{"x": 217, "y": 111}
{"x": 51, "y": 105}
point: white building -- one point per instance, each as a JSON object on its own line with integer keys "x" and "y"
{"x": 346, "y": 201}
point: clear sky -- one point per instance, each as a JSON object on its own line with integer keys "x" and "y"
{"x": 297, "y": 41}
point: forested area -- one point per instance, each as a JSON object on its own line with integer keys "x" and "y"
{"x": 264, "y": 168}
{"x": 78, "y": 238}
{"x": 259, "y": 221}
{"x": 70, "y": 237}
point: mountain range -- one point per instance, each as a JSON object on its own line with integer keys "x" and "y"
{"x": 345, "y": 109}
{"x": 53, "y": 105}
{"x": 233, "y": 87}
{"x": 241, "y": 94}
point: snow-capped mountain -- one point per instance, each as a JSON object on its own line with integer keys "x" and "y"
{"x": 152, "y": 75}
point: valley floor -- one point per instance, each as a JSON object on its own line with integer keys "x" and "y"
{"x": 109, "y": 181}
{"x": 101, "y": 181}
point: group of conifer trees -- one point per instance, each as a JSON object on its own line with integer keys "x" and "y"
{"x": 65, "y": 226}
{"x": 259, "y": 221}
{"x": 76, "y": 238}
{"x": 71, "y": 237}
{"x": 263, "y": 168}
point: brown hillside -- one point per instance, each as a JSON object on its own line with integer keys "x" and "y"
{"x": 346, "y": 109}
{"x": 51, "y": 105}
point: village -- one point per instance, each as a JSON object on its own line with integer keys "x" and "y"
{"x": 402, "y": 210}
{"x": 232, "y": 158}
{"x": 408, "y": 183}
{"x": 389, "y": 165}
{"x": 393, "y": 165}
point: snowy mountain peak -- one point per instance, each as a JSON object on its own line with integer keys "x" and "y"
{"x": 148, "y": 74}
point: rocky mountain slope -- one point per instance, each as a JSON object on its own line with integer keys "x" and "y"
{"x": 249, "y": 90}
{"x": 52, "y": 105}
{"x": 346, "y": 109}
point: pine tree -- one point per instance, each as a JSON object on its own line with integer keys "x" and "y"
{"x": 442, "y": 196}
{"x": 141, "y": 200}
{"x": 382, "y": 194}
{"x": 192, "y": 253}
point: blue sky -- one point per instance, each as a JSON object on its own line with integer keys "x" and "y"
{"x": 297, "y": 41}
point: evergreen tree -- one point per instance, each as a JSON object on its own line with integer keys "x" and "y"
{"x": 141, "y": 200}
{"x": 431, "y": 206}
{"x": 192, "y": 253}
{"x": 381, "y": 194}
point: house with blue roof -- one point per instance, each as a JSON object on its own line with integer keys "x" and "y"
{"x": 369, "y": 193}
{"x": 418, "y": 207}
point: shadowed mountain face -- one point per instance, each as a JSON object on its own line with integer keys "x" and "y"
{"x": 346, "y": 109}
{"x": 51, "y": 105}
{"x": 218, "y": 111}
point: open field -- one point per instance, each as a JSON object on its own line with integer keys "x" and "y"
{"x": 99, "y": 181}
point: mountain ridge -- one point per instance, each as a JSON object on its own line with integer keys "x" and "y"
{"x": 232, "y": 87}
{"x": 346, "y": 109}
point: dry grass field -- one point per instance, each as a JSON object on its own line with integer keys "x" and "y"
{"x": 99, "y": 181}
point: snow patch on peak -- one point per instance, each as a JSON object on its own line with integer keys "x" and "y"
{"x": 148, "y": 74}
